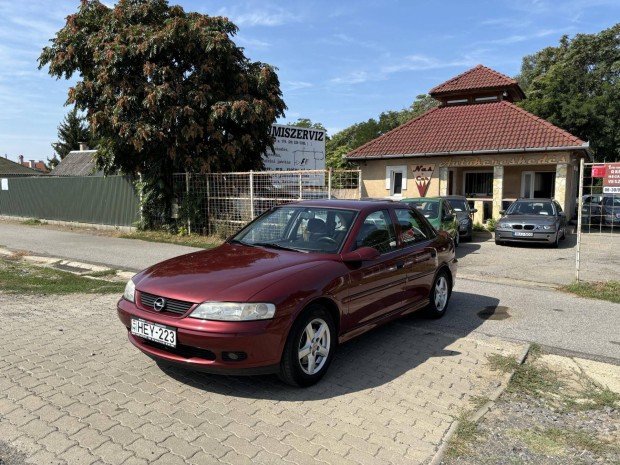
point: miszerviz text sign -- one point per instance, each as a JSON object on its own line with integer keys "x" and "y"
{"x": 296, "y": 149}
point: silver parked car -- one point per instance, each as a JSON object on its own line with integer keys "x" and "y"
{"x": 532, "y": 220}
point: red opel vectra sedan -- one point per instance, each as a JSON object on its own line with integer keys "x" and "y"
{"x": 282, "y": 293}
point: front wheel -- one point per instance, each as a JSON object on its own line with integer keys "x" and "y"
{"x": 309, "y": 348}
{"x": 439, "y": 296}
{"x": 456, "y": 239}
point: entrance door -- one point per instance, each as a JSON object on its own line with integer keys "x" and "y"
{"x": 539, "y": 184}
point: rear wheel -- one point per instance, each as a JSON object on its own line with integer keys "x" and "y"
{"x": 439, "y": 296}
{"x": 309, "y": 348}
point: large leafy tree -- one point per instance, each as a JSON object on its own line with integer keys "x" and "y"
{"x": 71, "y": 132}
{"x": 165, "y": 90}
{"x": 576, "y": 86}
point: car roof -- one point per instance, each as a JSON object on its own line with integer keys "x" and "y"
{"x": 346, "y": 204}
{"x": 422, "y": 199}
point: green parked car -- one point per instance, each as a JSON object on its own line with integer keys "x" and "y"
{"x": 439, "y": 213}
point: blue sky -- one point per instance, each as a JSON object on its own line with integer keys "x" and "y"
{"x": 339, "y": 62}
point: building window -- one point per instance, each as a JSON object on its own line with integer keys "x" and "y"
{"x": 396, "y": 180}
{"x": 479, "y": 184}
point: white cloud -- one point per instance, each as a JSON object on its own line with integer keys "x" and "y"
{"x": 297, "y": 85}
{"x": 269, "y": 17}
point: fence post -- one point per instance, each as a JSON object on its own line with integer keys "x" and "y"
{"x": 329, "y": 185}
{"x": 188, "y": 202}
{"x": 252, "y": 194}
{"x": 300, "y": 186}
{"x": 579, "y": 202}
{"x": 359, "y": 184}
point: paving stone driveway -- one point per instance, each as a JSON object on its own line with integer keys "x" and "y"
{"x": 73, "y": 390}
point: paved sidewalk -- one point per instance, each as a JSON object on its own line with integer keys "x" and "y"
{"x": 73, "y": 390}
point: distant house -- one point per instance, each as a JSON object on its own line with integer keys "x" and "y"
{"x": 476, "y": 143}
{"x": 78, "y": 163}
{"x": 35, "y": 165}
{"x": 11, "y": 169}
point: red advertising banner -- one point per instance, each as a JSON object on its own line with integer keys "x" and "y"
{"x": 611, "y": 181}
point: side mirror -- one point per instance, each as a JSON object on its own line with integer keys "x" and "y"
{"x": 448, "y": 217}
{"x": 502, "y": 212}
{"x": 360, "y": 255}
{"x": 474, "y": 210}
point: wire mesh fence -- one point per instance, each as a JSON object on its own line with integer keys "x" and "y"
{"x": 598, "y": 225}
{"x": 221, "y": 203}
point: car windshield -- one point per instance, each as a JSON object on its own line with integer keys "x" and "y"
{"x": 530, "y": 207}
{"x": 299, "y": 228}
{"x": 458, "y": 205}
{"x": 430, "y": 209}
{"x": 611, "y": 201}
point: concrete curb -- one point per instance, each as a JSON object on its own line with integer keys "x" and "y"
{"x": 478, "y": 414}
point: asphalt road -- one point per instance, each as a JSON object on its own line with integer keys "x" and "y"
{"x": 508, "y": 292}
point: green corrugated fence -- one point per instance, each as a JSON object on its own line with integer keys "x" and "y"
{"x": 111, "y": 200}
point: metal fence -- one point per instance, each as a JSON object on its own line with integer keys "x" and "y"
{"x": 220, "y": 204}
{"x": 112, "y": 200}
{"x": 598, "y": 228}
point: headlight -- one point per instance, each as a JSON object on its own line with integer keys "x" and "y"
{"x": 130, "y": 291}
{"x": 504, "y": 225}
{"x": 233, "y": 311}
{"x": 546, "y": 227}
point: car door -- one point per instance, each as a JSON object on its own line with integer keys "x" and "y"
{"x": 376, "y": 286}
{"x": 448, "y": 219}
{"x": 421, "y": 260}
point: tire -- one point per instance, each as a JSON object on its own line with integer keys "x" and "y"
{"x": 563, "y": 233}
{"x": 305, "y": 361}
{"x": 498, "y": 242}
{"x": 439, "y": 296}
{"x": 457, "y": 240}
{"x": 556, "y": 242}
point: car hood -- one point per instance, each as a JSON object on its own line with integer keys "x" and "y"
{"x": 229, "y": 272}
{"x": 536, "y": 219}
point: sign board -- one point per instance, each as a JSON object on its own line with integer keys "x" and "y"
{"x": 297, "y": 149}
{"x": 5, "y": 184}
{"x": 422, "y": 175}
{"x": 611, "y": 181}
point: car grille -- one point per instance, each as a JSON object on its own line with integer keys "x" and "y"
{"x": 178, "y": 307}
{"x": 527, "y": 227}
{"x": 181, "y": 350}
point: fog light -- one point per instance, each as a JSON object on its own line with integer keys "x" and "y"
{"x": 234, "y": 356}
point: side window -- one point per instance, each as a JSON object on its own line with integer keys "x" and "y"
{"x": 377, "y": 232}
{"x": 411, "y": 228}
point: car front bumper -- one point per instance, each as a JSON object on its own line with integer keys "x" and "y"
{"x": 234, "y": 348}
{"x": 509, "y": 235}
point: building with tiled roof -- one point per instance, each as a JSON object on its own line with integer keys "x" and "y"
{"x": 11, "y": 169}
{"x": 477, "y": 143}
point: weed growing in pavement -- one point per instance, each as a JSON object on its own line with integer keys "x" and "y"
{"x": 17, "y": 277}
{"x": 465, "y": 435}
{"x": 33, "y": 222}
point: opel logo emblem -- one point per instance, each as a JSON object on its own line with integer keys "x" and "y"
{"x": 159, "y": 304}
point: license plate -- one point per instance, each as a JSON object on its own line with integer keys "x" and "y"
{"x": 522, "y": 234}
{"x": 154, "y": 332}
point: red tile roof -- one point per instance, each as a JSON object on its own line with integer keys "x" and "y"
{"x": 479, "y": 77}
{"x": 496, "y": 126}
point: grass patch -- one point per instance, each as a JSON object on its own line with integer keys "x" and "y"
{"x": 101, "y": 274}
{"x": 557, "y": 442}
{"x": 609, "y": 290}
{"x": 17, "y": 277}
{"x": 194, "y": 240}
{"x": 33, "y": 222}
